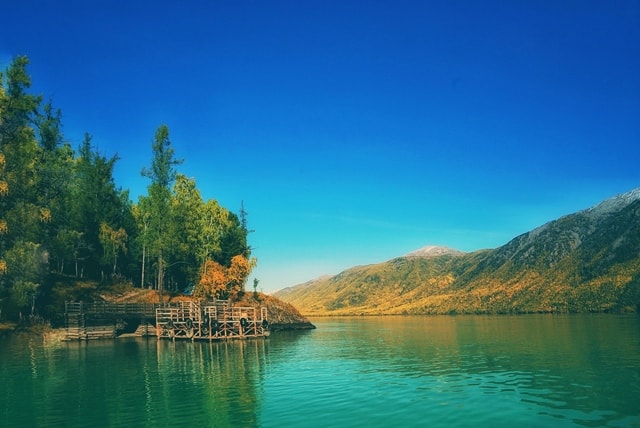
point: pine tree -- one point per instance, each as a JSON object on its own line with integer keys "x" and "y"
{"x": 162, "y": 174}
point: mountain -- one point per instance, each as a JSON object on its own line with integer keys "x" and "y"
{"x": 433, "y": 251}
{"x": 588, "y": 261}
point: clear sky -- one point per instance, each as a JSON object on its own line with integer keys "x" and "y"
{"x": 354, "y": 131}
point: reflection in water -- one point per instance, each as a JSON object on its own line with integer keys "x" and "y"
{"x": 132, "y": 382}
{"x": 217, "y": 379}
{"x": 379, "y": 371}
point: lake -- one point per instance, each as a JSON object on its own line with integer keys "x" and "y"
{"x": 453, "y": 371}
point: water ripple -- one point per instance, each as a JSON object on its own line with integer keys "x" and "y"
{"x": 365, "y": 372}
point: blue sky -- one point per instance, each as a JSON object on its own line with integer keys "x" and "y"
{"x": 354, "y": 131}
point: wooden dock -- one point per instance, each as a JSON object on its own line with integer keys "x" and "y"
{"x": 211, "y": 321}
{"x": 214, "y": 320}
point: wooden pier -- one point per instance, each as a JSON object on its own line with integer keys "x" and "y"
{"x": 215, "y": 320}
{"x": 210, "y": 321}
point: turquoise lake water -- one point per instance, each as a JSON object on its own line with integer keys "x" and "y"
{"x": 449, "y": 371}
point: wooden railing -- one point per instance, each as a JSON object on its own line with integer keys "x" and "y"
{"x": 96, "y": 308}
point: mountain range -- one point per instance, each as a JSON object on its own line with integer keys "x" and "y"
{"x": 588, "y": 261}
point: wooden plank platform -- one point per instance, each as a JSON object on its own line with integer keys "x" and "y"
{"x": 213, "y": 320}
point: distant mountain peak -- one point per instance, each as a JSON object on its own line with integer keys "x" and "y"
{"x": 614, "y": 204}
{"x": 433, "y": 251}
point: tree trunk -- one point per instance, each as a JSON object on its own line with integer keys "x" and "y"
{"x": 160, "y": 275}
{"x": 144, "y": 251}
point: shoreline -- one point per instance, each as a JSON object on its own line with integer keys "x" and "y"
{"x": 59, "y": 334}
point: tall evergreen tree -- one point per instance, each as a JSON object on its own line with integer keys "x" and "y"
{"x": 233, "y": 241}
{"x": 214, "y": 221}
{"x": 17, "y": 107}
{"x": 20, "y": 216}
{"x": 162, "y": 174}
{"x": 96, "y": 200}
{"x": 53, "y": 177}
{"x": 186, "y": 210}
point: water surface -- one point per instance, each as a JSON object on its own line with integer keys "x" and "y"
{"x": 535, "y": 370}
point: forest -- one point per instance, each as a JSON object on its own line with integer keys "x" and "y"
{"x": 64, "y": 219}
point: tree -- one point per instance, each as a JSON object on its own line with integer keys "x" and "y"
{"x": 20, "y": 216}
{"x": 141, "y": 214}
{"x": 237, "y": 274}
{"x": 233, "y": 240}
{"x": 54, "y": 169}
{"x": 221, "y": 282}
{"x": 186, "y": 210}
{"x": 113, "y": 242}
{"x": 162, "y": 173}
{"x": 26, "y": 262}
{"x": 67, "y": 244}
{"x": 213, "y": 281}
{"x": 214, "y": 221}
{"x": 19, "y": 150}
{"x": 95, "y": 199}
{"x": 16, "y": 106}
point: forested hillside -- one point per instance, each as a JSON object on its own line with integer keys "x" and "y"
{"x": 585, "y": 262}
{"x": 62, "y": 216}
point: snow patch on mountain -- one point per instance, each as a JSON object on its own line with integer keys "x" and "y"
{"x": 614, "y": 204}
{"x": 433, "y": 251}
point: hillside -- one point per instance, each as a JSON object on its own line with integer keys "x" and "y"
{"x": 584, "y": 262}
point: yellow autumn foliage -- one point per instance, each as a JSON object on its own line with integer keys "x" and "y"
{"x": 220, "y": 282}
{"x": 213, "y": 281}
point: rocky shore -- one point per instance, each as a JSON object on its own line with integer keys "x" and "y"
{"x": 283, "y": 316}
